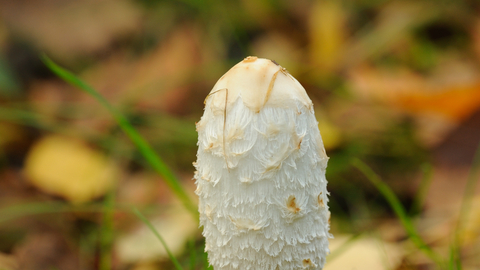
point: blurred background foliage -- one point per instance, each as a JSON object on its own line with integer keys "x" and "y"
{"x": 394, "y": 83}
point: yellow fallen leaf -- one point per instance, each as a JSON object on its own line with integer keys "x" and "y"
{"x": 145, "y": 266}
{"x": 69, "y": 168}
{"x": 8, "y": 262}
{"x": 176, "y": 227}
{"x": 331, "y": 135}
{"x": 470, "y": 232}
{"x": 327, "y": 35}
{"x": 363, "y": 253}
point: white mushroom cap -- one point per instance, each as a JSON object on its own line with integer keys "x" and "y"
{"x": 261, "y": 172}
{"x": 259, "y": 82}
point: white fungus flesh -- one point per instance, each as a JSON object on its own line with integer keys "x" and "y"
{"x": 260, "y": 172}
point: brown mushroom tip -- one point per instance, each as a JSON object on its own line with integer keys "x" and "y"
{"x": 249, "y": 59}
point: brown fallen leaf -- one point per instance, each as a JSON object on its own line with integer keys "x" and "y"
{"x": 47, "y": 250}
{"x": 161, "y": 79}
{"x": 67, "y": 29}
{"x": 144, "y": 188}
{"x": 436, "y": 103}
{"x": 282, "y": 49}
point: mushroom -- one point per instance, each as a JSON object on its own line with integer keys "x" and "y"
{"x": 260, "y": 172}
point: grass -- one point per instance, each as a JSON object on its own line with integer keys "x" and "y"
{"x": 454, "y": 261}
{"x": 106, "y": 230}
{"x": 142, "y": 145}
{"x": 38, "y": 208}
{"x": 399, "y": 210}
{"x": 472, "y": 180}
{"x": 420, "y": 196}
{"x": 404, "y": 216}
{"x": 159, "y": 237}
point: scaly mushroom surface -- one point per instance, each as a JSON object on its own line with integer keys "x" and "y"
{"x": 260, "y": 172}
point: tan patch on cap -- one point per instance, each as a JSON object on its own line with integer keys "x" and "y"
{"x": 307, "y": 263}
{"x": 250, "y": 59}
{"x": 292, "y": 205}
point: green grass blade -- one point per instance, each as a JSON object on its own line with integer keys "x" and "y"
{"x": 451, "y": 258}
{"x": 206, "y": 265}
{"x": 458, "y": 264}
{"x": 150, "y": 226}
{"x": 145, "y": 149}
{"x": 17, "y": 211}
{"x": 399, "y": 210}
{"x": 468, "y": 194}
{"x": 193, "y": 253}
{"x": 419, "y": 199}
{"x": 106, "y": 232}
{"x": 21, "y": 210}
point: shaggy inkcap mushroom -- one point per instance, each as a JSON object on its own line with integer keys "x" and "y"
{"x": 261, "y": 172}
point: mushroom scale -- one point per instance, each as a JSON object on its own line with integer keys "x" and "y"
{"x": 260, "y": 172}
